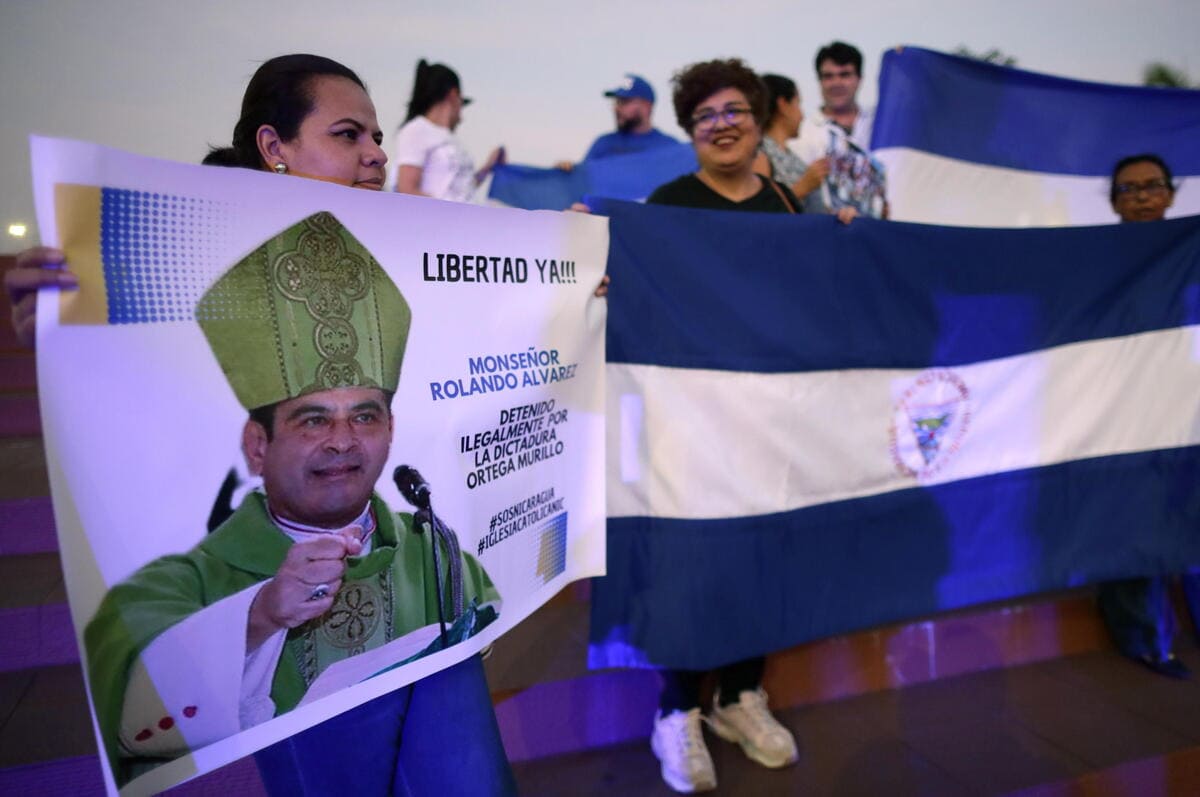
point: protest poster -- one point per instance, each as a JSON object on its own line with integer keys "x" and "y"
{"x": 207, "y": 292}
{"x": 856, "y": 179}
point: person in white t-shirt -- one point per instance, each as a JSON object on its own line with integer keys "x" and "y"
{"x": 841, "y": 134}
{"x": 430, "y": 160}
{"x": 839, "y": 70}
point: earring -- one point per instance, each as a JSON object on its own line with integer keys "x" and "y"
{"x": 280, "y": 168}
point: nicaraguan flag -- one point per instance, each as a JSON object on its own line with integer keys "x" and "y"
{"x": 815, "y": 428}
{"x": 618, "y": 177}
{"x": 971, "y": 143}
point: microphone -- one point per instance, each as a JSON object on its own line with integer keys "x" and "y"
{"x": 416, "y": 491}
{"x": 412, "y": 486}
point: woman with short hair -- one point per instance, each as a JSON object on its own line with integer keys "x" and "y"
{"x": 722, "y": 104}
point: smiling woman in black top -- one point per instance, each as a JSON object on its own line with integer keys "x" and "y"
{"x": 722, "y": 104}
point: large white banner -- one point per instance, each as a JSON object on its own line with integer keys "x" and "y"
{"x": 500, "y": 405}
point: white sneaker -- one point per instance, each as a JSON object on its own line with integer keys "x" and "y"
{"x": 750, "y": 723}
{"x": 678, "y": 741}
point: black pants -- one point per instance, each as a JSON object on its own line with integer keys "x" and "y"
{"x": 1139, "y": 615}
{"x": 681, "y": 688}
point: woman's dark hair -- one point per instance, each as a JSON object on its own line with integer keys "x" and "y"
{"x": 697, "y": 82}
{"x": 841, "y": 54}
{"x": 778, "y": 88}
{"x": 1146, "y": 157}
{"x": 431, "y": 84}
{"x": 280, "y": 95}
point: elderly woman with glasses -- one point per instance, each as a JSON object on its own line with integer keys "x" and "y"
{"x": 722, "y": 105}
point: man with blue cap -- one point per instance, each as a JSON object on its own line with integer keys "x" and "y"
{"x": 633, "y": 106}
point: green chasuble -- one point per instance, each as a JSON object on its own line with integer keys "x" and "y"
{"x": 245, "y": 550}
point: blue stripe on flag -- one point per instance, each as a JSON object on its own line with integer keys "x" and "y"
{"x": 978, "y": 112}
{"x": 696, "y": 594}
{"x": 636, "y": 176}
{"x": 532, "y": 188}
{"x": 619, "y": 177}
{"x": 775, "y": 293}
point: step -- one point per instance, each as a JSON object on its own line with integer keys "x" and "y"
{"x": 541, "y": 684}
{"x": 539, "y": 716}
{"x": 65, "y": 777}
{"x": 8, "y": 338}
{"x": 35, "y": 622}
{"x": 1175, "y": 774}
{"x": 1092, "y": 724}
{"x": 27, "y": 526}
{"x": 37, "y": 636}
{"x": 45, "y": 716}
{"x": 1084, "y": 725}
{"x": 79, "y": 776}
{"x": 18, "y": 371}
{"x": 19, "y": 414}
{"x": 22, "y": 466}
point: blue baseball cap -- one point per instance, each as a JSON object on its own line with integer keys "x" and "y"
{"x": 632, "y": 86}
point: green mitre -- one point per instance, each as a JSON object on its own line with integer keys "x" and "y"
{"x": 308, "y": 310}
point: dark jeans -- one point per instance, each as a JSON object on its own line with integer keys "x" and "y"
{"x": 681, "y": 688}
{"x": 1139, "y": 615}
{"x": 437, "y": 736}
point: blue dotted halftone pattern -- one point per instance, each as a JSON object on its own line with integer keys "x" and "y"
{"x": 155, "y": 251}
{"x": 552, "y": 548}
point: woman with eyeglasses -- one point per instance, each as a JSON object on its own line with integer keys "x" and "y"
{"x": 722, "y": 105}
{"x": 1137, "y": 611}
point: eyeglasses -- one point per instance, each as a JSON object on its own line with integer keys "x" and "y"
{"x": 730, "y": 114}
{"x": 1155, "y": 187}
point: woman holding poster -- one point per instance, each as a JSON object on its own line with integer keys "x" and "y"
{"x": 306, "y": 116}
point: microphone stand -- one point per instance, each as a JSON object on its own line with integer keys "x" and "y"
{"x": 416, "y": 491}
{"x": 437, "y": 572}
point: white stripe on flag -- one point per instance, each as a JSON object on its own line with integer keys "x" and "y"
{"x": 933, "y": 189}
{"x": 716, "y": 444}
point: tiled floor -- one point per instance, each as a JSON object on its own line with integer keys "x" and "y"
{"x": 1085, "y": 725}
